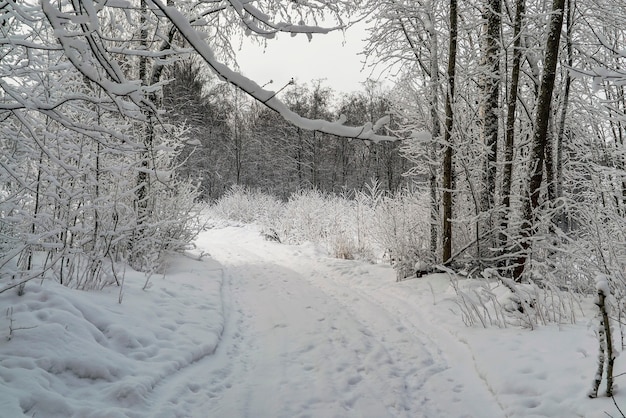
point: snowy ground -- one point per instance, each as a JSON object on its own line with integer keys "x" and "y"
{"x": 261, "y": 329}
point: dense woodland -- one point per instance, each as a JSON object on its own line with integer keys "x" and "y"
{"x": 245, "y": 144}
{"x": 119, "y": 119}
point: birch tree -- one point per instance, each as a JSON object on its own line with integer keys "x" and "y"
{"x": 407, "y": 34}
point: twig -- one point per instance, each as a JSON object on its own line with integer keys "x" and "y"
{"x": 14, "y": 285}
{"x": 11, "y": 327}
{"x": 615, "y": 402}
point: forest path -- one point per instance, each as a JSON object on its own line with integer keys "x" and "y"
{"x": 311, "y": 336}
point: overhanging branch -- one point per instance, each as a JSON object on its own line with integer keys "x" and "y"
{"x": 195, "y": 39}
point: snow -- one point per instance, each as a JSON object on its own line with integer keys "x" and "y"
{"x": 602, "y": 284}
{"x": 262, "y": 329}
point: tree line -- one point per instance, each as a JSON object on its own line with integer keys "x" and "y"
{"x": 239, "y": 142}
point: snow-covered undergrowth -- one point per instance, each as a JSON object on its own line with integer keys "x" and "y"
{"x": 369, "y": 226}
{"x": 491, "y": 300}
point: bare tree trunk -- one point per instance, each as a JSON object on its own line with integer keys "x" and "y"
{"x": 299, "y": 158}
{"x": 433, "y": 73}
{"x": 143, "y": 178}
{"x": 540, "y": 135}
{"x": 434, "y": 115}
{"x": 147, "y": 78}
{"x": 489, "y": 110}
{"x": 550, "y": 167}
{"x": 448, "y": 171}
{"x": 561, "y": 131}
{"x": 509, "y": 139}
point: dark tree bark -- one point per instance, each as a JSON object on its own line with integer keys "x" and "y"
{"x": 143, "y": 178}
{"x": 509, "y": 139}
{"x": 434, "y": 115}
{"x": 540, "y": 135}
{"x": 489, "y": 114}
{"x": 448, "y": 171}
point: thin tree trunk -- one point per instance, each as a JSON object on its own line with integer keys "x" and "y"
{"x": 563, "y": 116}
{"x": 148, "y": 78}
{"x": 448, "y": 172}
{"x": 509, "y": 139}
{"x": 540, "y": 140}
{"x": 434, "y": 115}
{"x": 142, "y": 177}
{"x": 550, "y": 167}
{"x": 299, "y": 157}
{"x": 489, "y": 110}
{"x": 433, "y": 73}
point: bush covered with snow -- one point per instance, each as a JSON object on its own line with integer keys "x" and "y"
{"x": 367, "y": 226}
{"x": 246, "y": 205}
{"x": 322, "y": 218}
{"x": 399, "y": 224}
{"x": 92, "y": 209}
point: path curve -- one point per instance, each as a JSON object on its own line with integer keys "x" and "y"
{"x": 310, "y": 336}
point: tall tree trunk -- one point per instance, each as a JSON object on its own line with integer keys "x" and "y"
{"x": 299, "y": 158}
{"x": 148, "y": 77}
{"x": 434, "y": 115}
{"x": 540, "y": 135}
{"x": 489, "y": 114}
{"x": 448, "y": 171}
{"x": 621, "y": 144}
{"x": 561, "y": 131}
{"x": 509, "y": 139}
{"x": 143, "y": 178}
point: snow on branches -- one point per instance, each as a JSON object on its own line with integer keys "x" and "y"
{"x": 90, "y": 52}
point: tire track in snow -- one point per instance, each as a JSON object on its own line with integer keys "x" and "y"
{"x": 304, "y": 346}
{"x": 456, "y": 346}
{"x": 306, "y": 337}
{"x": 183, "y": 393}
{"x": 379, "y": 361}
{"x": 412, "y": 348}
{"x": 413, "y": 355}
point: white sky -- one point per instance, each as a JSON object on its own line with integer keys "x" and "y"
{"x": 334, "y": 57}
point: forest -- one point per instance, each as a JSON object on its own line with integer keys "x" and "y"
{"x": 498, "y": 152}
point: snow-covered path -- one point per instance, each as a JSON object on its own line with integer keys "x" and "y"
{"x": 312, "y": 337}
{"x": 265, "y": 330}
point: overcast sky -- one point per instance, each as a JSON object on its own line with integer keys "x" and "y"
{"x": 334, "y": 57}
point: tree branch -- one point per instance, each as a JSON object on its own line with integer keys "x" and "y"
{"x": 366, "y": 132}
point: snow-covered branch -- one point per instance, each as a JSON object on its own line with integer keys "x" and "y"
{"x": 87, "y": 54}
{"x": 251, "y": 16}
{"x": 195, "y": 39}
